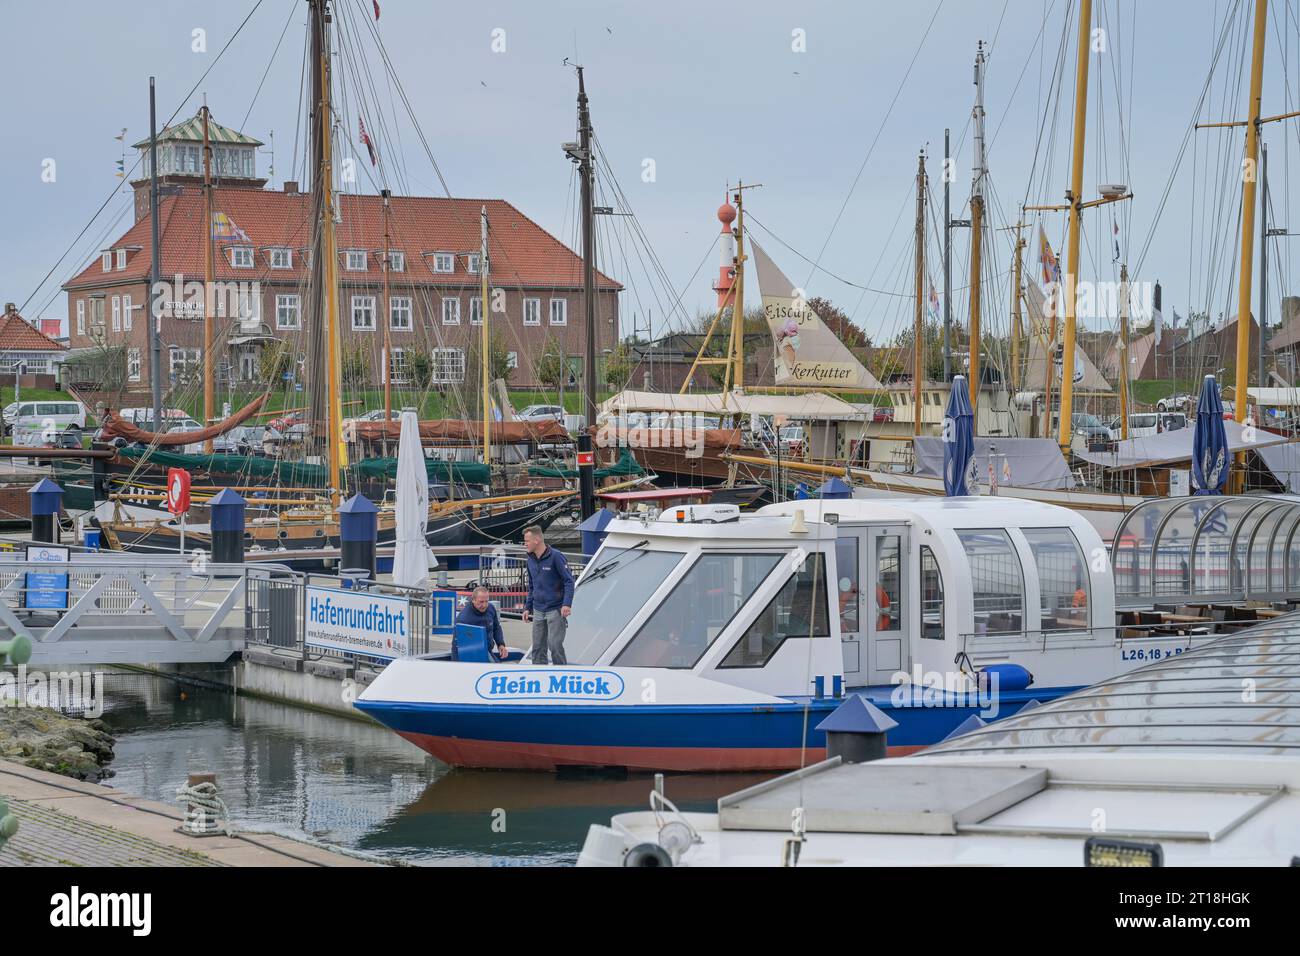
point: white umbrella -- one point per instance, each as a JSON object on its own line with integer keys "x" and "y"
{"x": 411, "y": 555}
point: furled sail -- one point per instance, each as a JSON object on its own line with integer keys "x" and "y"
{"x": 807, "y": 352}
{"x": 1087, "y": 378}
{"x": 115, "y": 426}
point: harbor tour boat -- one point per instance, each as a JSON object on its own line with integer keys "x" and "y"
{"x": 703, "y": 640}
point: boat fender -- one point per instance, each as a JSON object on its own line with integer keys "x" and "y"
{"x": 1010, "y": 676}
{"x": 647, "y": 854}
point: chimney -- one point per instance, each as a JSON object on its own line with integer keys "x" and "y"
{"x": 291, "y": 187}
{"x": 10, "y": 308}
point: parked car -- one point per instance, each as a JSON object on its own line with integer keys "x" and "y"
{"x": 35, "y": 423}
{"x": 243, "y": 440}
{"x": 793, "y": 441}
{"x": 284, "y": 422}
{"x": 883, "y": 413}
{"x": 540, "y": 413}
{"x": 1090, "y": 427}
{"x": 1144, "y": 424}
{"x": 1175, "y": 403}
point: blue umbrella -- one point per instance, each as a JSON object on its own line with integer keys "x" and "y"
{"x": 1209, "y": 442}
{"x": 958, "y": 439}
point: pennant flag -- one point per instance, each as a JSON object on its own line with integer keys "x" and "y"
{"x": 376, "y": 2}
{"x": 121, "y": 169}
{"x": 934, "y": 303}
{"x": 1116, "y": 225}
{"x": 225, "y": 230}
{"x": 120, "y": 137}
{"x": 1047, "y": 259}
{"x": 365, "y": 138}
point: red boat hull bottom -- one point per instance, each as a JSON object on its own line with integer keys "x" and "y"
{"x": 507, "y": 755}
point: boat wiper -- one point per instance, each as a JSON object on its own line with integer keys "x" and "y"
{"x": 604, "y": 569}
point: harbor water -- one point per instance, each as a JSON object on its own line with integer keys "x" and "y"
{"x": 347, "y": 784}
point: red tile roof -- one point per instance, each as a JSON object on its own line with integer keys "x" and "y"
{"x": 18, "y": 335}
{"x": 523, "y": 253}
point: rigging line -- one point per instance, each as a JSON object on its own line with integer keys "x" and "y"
{"x": 269, "y": 63}
{"x": 879, "y": 132}
{"x": 117, "y": 187}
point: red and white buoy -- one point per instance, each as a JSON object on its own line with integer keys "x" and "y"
{"x": 726, "y": 255}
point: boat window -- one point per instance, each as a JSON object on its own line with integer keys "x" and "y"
{"x": 797, "y": 610}
{"x": 997, "y": 582}
{"x": 616, "y": 585}
{"x": 889, "y": 594}
{"x": 931, "y": 596}
{"x": 697, "y": 610}
{"x": 846, "y": 566}
{"x": 1062, "y": 578}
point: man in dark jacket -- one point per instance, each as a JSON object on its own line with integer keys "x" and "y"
{"x": 550, "y": 598}
{"x": 482, "y": 613}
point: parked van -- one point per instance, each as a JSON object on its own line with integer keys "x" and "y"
{"x": 40, "y": 422}
{"x": 1145, "y": 424}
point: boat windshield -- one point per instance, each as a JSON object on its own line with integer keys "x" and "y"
{"x": 614, "y": 588}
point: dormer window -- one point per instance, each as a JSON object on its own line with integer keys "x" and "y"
{"x": 121, "y": 259}
{"x": 107, "y": 261}
{"x": 471, "y": 263}
{"x": 356, "y": 260}
{"x": 281, "y": 258}
{"x": 444, "y": 262}
{"x": 241, "y": 257}
{"x": 396, "y": 261}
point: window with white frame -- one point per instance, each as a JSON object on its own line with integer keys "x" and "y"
{"x": 444, "y": 262}
{"x": 97, "y": 313}
{"x": 133, "y": 365}
{"x": 512, "y": 360}
{"x": 121, "y": 259}
{"x": 1062, "y": 578}
{"x": 396, "y": 261}
{"x": 997, "y": 581}
{"x": 559, "y": 312}
{"x": 281, "y": 258}
{"x": 532, "y": 311}
{"x": 126, "y": 313}
{"x": 107, "y": 261}
{"x": 81, "y": 316}
{"x": 471, "y": 263}
{"x": 476, "y": 310}
{"x": 356, "y": 260}
{"x": 399, "y": 313}
{"x": 288, "y": 311}
{"x": 448, "y": 366}
{"x": 398, "y": 368}
{"x": 117, "y": 313}
{"x": 241, "y": 257}
{"x": 363, "y": 313}
{"x": 451, "y": 311}
{"x": 182, "y": 361}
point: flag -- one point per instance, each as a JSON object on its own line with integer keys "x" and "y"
{"x": 121, "y": 169}
{"x": 365, "y": 138}
{"x": 934, "y": 303}
{"x": 1116, "y": 225}
{"x": 225, "y": 230}
{"x": 376, "y": 2}
{"x": 1047, "y": 259}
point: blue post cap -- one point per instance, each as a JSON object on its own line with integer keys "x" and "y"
{"x": 857, "y": 715}
{"x": 835, "y": 488}
{"x": 227, "y": 508}
{"x": 599, "y": 519}
{"x": 46, "y": 497}
{"x": 966, "y": 726}
{"x": 358, "y": 519}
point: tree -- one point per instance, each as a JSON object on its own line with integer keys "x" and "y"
{"x": 356, "y": 368}
{"x": 550, "y": 366}
{"x": 618, "y": 367}
{"x": 419, "y": 368}
{"x": 276, "y": 360}
{"x": 838, "y": 322}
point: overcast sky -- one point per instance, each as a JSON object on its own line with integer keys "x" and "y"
{"x": 796, "y": 96}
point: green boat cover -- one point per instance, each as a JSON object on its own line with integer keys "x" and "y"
{"x": 626, "y": 466}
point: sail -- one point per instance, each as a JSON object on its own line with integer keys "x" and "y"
{"x": 1087, "y": 378}
{"x": 113, "y": 425}
{"x": 807, "y": 352}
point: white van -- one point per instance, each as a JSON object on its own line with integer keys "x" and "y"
{"x": 38, "y": 423}
{"x": 1144, "y": 424}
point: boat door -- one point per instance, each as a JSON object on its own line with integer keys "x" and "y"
{"x": 884, "y": 604}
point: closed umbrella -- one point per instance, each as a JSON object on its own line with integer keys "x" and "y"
{"x": 411, "y": 555}
{"x": 1209, "y": 442}
{"x": 958, "y": 440}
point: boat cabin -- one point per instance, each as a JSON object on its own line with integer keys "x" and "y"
{"x": 658, "y": 499}
{"x": 812, "y": 597}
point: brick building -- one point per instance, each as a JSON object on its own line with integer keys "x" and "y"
{"x": 262, "y": 271}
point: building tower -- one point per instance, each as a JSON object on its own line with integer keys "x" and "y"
{"x": 726, "y": 256}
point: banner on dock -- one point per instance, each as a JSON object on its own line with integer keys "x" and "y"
{"x": 357, "y": 623}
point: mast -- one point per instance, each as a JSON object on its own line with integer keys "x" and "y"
{"x": 388, "y": 338}
{"x": 977, "y": 227}
{"x": 1123, "y": 351}
{"x": 585, "y": 168}
{"x": 209, "y": 395}
{"x": 1016, "y": 320}
{"x": 947, "y": 259}
{"x": 155, "y": 267}
{"x": 1263, "y": 259}
{"x": 1074, "y": 199}
{"x": 918, "y": 358}
{"x": 483, "y": 318}
{"x": 337, "y": 455}
{"x": 737, "y": 371}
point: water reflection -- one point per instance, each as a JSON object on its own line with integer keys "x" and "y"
{"x": 358, "y": 786}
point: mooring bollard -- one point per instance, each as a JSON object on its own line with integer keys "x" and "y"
{"x": 206, "y": 813}
{"x": 358, "y": 530}
{"x": 227, "y": 509}
{"x": 47, "y": 500}
{"x": 586, "y": 475}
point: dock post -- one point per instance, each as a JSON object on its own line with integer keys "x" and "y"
{"x": 47, "y": 499}
{"x": 227, "y": 520}
{"x": 586, "y": 475}
{"x": 358, "y": 530}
